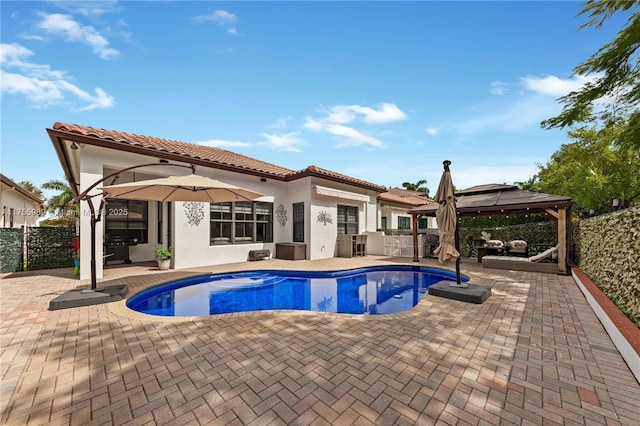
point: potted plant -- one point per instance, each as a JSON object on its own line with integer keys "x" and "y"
{"x": 163, "y": 256}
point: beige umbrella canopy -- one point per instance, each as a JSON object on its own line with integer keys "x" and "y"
{"x": 446, "y": 218}
{"x": 181, "y": 188}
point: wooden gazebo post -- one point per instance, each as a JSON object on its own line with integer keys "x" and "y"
{"x": 561, "y": 218}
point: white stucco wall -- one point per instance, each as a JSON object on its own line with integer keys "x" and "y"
{"x": 90, "y": 172}
{"x": 191, "y": 241}
{"x": 26, "y": 212}
{"x": 299, "y": 191}
{"x": 324, "y": 235}
{"x": 393, "y": 213}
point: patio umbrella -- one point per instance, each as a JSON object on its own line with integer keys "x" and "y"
{"x": 181, "y": 188}
{"x": 447, "y": 220}
{"x": 173, "y": 188}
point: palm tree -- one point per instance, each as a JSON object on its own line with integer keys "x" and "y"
{"x": 532, "y": 184}
{"x": 32, "y": 189}
{"x": 416, "y": 186}
{"x": 59, "y": 203}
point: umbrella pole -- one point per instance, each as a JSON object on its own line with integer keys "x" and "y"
{"x": 457, "y": 242}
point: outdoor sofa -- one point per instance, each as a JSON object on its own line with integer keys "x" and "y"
{"x": 529, "y": 264}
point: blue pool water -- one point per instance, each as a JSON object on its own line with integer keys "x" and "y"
{"x": 375, "y": 290}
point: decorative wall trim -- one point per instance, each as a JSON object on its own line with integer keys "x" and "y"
{"x": 281, "y": 215}
{"x": 324, "y": 218}
{"x": 194, "y": 212}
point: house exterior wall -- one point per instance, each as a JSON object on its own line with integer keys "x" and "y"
{"x": 26, "y": 212}
{"x": 323, "y": 216}
{"x": 191, "y": 241}
{"x": 190, "y": 234}
{"x": 299, "y": 191}
{"x": 392, "y": 213}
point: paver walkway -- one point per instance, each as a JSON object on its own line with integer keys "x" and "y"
{"x": 533, "y": 353}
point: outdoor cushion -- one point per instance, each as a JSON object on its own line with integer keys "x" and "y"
{"x": 544, "y": 254}
{"x": 494, "y": 243}
{"x": 517, "y": 247}
{"x": 518, "y": 244}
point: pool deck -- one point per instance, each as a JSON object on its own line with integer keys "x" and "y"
{"x": 533, "y": 353}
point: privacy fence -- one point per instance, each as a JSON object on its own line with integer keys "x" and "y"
{"x": 33, "y": 248}
{"x": 607, "y": 249}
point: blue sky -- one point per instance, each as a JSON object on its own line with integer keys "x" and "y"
{"x": 381, "y": 91}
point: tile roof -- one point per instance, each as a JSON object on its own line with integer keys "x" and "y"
{"x": 183, "y": 149}
{"x": 403, "y": 196}
{"x": 201, "y": 155}
{"x": 328, "y": 174}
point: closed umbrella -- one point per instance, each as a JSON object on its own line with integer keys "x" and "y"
{"x": 447, "y": 221}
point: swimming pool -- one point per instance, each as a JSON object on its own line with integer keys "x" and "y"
{"x": 374, "y": 290}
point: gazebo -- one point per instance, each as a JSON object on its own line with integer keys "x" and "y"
{"x": 503, "y": 200}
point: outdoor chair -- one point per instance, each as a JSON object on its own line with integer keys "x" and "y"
{"x": 517, "y": 248}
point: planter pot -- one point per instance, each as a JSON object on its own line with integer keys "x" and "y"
{"x": 164, "y": 264}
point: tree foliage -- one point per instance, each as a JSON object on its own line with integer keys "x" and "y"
{"x": 29, "y": 186}
{"x": 593, "y": 169}
{"x": 418, "y": 186}
{"x": 615, "y": 69}
{"x": 61, "y": 202}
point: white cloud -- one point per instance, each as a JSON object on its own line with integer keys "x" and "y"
{"x": 281, "y": 123}
{"x": 498, "y": 88}
{"x": 385, "y": 113}
{"x": 88, "y": 8}
{"x": 64, "y": 26}
{"x": 222, "y": 18}
{"x": 219, "y": 143}
{"x": 40, "y": 84}
{"x": 284, "y": 142}
{"x": 335, "y": 120}
{"x": 433, "y": 131}
{"x": 554, "y": 86}
{"x": 348, "y": 136}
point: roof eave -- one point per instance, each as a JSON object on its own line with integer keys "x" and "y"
{"x": 57, "y": 139}
{"x": 311, "y": 173}
{"x": 160, "y": 154}
{"x": 430, "y": 210}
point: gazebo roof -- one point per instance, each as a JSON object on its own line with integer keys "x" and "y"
{"x": 498, "y": 199}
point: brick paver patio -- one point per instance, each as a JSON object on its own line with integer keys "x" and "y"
{"x": 534, "y": 353}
